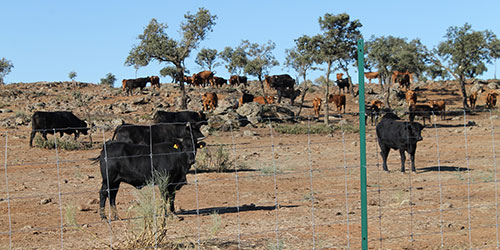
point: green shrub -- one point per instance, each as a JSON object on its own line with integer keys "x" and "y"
{"x": 213, "y": 159}
{"x": 62, "y": 143}
{"x": 303, "y": 129}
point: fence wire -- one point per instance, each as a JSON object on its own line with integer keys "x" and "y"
{"x": 281, "y": 191}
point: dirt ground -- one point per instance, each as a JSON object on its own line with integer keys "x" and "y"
{"x": 286, "y": 192}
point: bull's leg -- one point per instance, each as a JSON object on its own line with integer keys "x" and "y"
{"x": 32, "y": 135}
{"x": 113, "y": 191}
{"x": 171, "y": 198}
{"x": 44, "y": 135}
{"x": 103, "y": 195}
{"x": 61, "y": 133}
{"x": 403, "y": 159}
{"x": 412, "y": 151}
{"x": 384, "y": 152}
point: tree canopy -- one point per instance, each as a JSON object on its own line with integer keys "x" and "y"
{"x": 206, "y": 58}
{"x": 5, "y": 68}
{"x": 156, "y": 45}
{"x": 109, "y": 80}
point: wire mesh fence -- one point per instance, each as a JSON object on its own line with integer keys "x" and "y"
{"x": 280, "y": 191}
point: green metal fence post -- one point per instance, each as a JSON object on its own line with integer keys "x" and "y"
{"x": 362, "y": 144}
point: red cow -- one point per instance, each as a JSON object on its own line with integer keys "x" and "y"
{"x": 473, "y": 99}
{"x": 339, "y": 101}
{"x": 209, "y": 100}
{"x": 317, "y": 106}
{"x": 372, "y": 75}
{"x": 155, "y": 81}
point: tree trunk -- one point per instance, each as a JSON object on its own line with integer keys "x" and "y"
{"x": 303, "y": 96}
{"x": 387, "y": 86}
{"x": 464, "y": 93}
{"x": 262, "y": 88}
{"x": 327, "y": 92}
{"x": 180, "y": 72}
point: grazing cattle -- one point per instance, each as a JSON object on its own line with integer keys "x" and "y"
{"x": 195, "y": 118}
{"x": 491, "y": 99}
{"x": 374, "y": 109}
{"x": 372, "y": 75}
{"x": 209, "y": 100}
{"x": 284, "y": 81}
{"x": 339, "y": 101}
{"x": 129, "y": 84}
{"x": 219, "y": 81}
{"x": 63, "y": 122}
{"x": 317, "y": 106}
{"x": 398, "y": 135}
{"x": 155, "y": 82}
{"x": 339, "y": 76}
{"x": 260, "y": 99}
{"x": 439, "y": 107}
{"x": 473, "y": 99}
{"x": 131, "y": 163}
{"x": 158, "y": 133}
{"x": 203, "y": 78}
{"x": 423, "y": 110}
{"x": 343, "y": 83}
{"x": 237, "y": 80}
{"x": 245, "y": 98}
{"x": 411, "y": 97}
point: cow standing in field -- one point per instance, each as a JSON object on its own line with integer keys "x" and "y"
{"x": 423, "y": 110}
{"x": 158, "y": 133}
{"x": 63, "y": 122}
{"x": 343, "y": 83}
{"x": 439, "y": 107}
{"x": 398, "y": 135}
{"x": 317, "y": 106}
{"x": 473, "y": 99}
{"x": 373, "y": 109}
{"x": 130, "y": 84}
{"x": 339, "y": 101}
{"x": 237, "y": 80}
{"x": 219, "y": 81}
{"x": 204, "y": 78}
{"x": 411, "y": 97}
{"x": 155, "y": 82}
{"x": 372, "y": 75}
{"x": 209, "y": 100}
{"x": 195, "y": 118}
{"x": 491, "y": 100}
{"x": 138, "y": 165}
{"x": 284, "y": 85}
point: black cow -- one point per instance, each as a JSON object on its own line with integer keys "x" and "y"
{"x": 129, "y": 84}
{"x": 343, "y": 83}
{"x": 142, "y": 134}
{"x": 131, "y": 163}
{"x": 279, "y": 81}
{"x": 288, "y": 93}
{"x": 237, "y": 80}
{"x": 195, "y": 118}
{"x": 245, "y": 98}
{"x": 399, "y": 135}
{"x": 63, "y": 122}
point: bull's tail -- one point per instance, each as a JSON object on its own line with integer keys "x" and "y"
{"x": 95, "y": 159}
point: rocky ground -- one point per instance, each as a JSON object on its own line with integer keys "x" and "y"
{"x": 451, "y": 202}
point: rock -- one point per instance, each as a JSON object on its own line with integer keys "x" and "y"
{"x": 476, "y": 87}
{"x": 226, "y": 105}
{"x": 83, "y": 208}
{"x": 494, "y": 117}
{"x": 248, "y": 133}
{"x": 493, "y": 85}
{"x": 45, "y": 201}
{"x": 142, "y": 100}
{"x": 19, "y": 121}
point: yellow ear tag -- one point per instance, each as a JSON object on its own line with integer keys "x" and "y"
{"x": 201, "y": 145}
{"x": 176, "y": 146}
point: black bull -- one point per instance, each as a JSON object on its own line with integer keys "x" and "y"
{"x": 164, "y": 164}
{"x": 398, "y": 135}
{"x": 63, "y": 122}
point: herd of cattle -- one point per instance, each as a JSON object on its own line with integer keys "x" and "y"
{"x": 139, "y": 154}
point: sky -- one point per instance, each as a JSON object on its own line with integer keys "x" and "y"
{"x": 46, "y": 40}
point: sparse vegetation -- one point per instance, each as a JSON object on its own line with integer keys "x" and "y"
{"x": 62, "y": 143}
{"x": 214, "y": 159}
{"x": 304, "y": 129}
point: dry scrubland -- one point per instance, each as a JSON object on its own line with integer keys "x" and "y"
{"x": 452, "y": 199}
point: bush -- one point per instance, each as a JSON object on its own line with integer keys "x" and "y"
{"x": 213, "y": 159}
{"x": 304, "y": 129}
{"x": 62, "y": 143}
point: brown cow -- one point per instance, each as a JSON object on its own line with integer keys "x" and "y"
{"x": 372, "y": 75}
{"x": 411, "y": 97}
{"x": 203, "y": 78}
{"x": 473, "y": 99}
{"x": 237, "y": 80}
{"x": 317, "y": 106}
{"x": 439, "y": 107}
{"x": 339, "y": 76}
{"x": 260, "y": 99}
{"x": 339, "y": 101}
{"x": 491, "y": 100}
{"x": 209, "y": 100}
{"x": 155, "y": 81}
{"x": 188, "y": 79}
{"x": 403, "y": 78}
